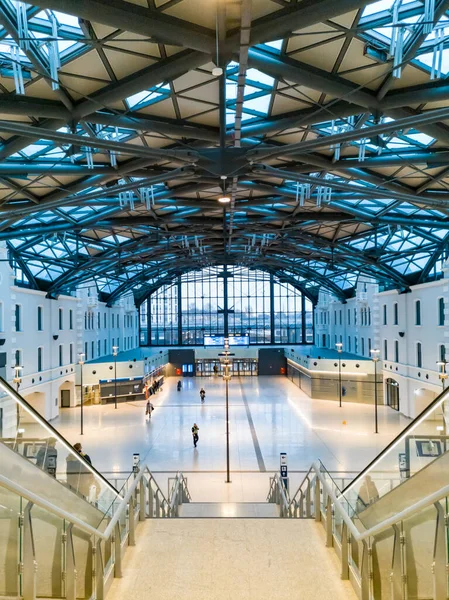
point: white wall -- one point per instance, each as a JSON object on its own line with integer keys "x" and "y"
{"x": 417, "y": 385}
{"x": 44, "y": 386}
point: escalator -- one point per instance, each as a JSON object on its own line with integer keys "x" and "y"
{"x": 398, "y": 510}
{"x": 416, "y": 461}
{"x": 35, "y": 458}
{"x": 64, "y": 528}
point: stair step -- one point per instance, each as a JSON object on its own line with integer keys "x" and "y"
{"x": 229, "y": 510}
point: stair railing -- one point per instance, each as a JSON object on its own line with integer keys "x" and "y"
{"x": 278, "y": 494}
{"x": 95, "y": 553}
{"x": 371, "y": 571}
{"x": 179, "y": 494}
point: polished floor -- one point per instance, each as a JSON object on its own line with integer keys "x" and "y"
{"x": 268, "y": 415}
{"x": 230, "y": 559}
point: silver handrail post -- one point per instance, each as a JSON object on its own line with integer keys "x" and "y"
{"x": 70, "y": 565}
{"x": 317, "y": 501}
{"x": 329, "y": 537}
{"x": 344, "y": 552}
{"x": 98, "y": 570}
{"x": 439, "y": 567}
{"x": 365, "y": 573}
{"x": 132, "y": 523}
{"x": 29, "y": 556}
{"x": 150, "y": 500}
{"x": 158, "y": 507}
{"x": 308, "y": 501}
{"x": 117, "y": 551}
{"x": 142, "y": 500}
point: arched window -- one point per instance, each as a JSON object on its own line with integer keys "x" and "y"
{"x": 40, "y": 359}
{"x": 440, "y": 312}
{"x": 385, "y": 349}
{"x": 418, "y": 312}
{"x": 419, "y": 355}
{"x": 396, "y": 351}
{"x": 257, "y": 303}
{"x": 395, "y": 314}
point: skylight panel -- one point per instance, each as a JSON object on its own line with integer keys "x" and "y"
{"x": 260, "y": 104}
{"x": 231, "y": 90}
{"x": 143, "y": 98}
{"x": 381, "y": 6}
{"x": 421, "y": 138}
{"x": 276, "y": 44}
{"x": 69, "y": 20}
{"x": 427, "y": 59}
{"x": 257, "y": 76}
{"x": 396, "y": 142}
{"x": 377, "y": 7}
{"x": 31, "y": 150}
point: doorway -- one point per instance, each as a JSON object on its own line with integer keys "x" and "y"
{"x": 65, "y": 398}
{"x": 240, "y": 367}
{"x": 392, "y": 393}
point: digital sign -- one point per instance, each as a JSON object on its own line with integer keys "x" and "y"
{"x": 234, "y": 340}
{"x": 239, "y": 340}
{"x": 214, "y": 340}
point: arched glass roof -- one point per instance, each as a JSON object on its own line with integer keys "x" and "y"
{"x": 327, "y": 130}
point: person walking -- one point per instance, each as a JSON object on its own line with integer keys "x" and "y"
{"x": 179, "y": 385}
{"x": 195, "y": 430}
{"x": 149, "y": 409}
{"x": 202, "y": 394}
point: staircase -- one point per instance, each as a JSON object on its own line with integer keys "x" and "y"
{"x": 229, "y": 510}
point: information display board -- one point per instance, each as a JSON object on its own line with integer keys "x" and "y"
{"x": 214, "y": 340}
{"x": 219, "y": 340}
{"x": 239, "y": 340}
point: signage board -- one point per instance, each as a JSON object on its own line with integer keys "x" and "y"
{"x": 239, "y": 340}
{"x": 214, "y": 340}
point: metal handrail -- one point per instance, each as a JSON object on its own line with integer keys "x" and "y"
{"x": 407, "y": 512}
{"x": 16, "y": 397}
{"x": 443, "y": 397}
{"x": 179, "y": 488}
{"x": 45, "y": 504}
{"x": 145, "y": 468}
{"x": 14, "y": 487}
{"x": 279, "y": 495}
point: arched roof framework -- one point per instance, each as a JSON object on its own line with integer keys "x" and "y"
{"x": 335, "y": 168}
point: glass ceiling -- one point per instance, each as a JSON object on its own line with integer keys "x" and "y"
{"x": 58, "y": 235}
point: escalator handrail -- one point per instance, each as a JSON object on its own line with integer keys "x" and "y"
{"x": 16, "y": 488}
{"x": 444, "y": 396}
{"x": 383, "y": 525}
{"x": 53, "y": 432}
{"x": 45, "y": 504}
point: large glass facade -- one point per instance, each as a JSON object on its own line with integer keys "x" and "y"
{"x": 226, "y": 300}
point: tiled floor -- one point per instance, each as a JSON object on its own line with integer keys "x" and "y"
{"x": 268, "y": 415}
{"x": 230, "y": 559}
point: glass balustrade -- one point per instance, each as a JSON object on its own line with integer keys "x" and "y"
{"x": 27, "y": 434}
{"x": 420, "y": 450}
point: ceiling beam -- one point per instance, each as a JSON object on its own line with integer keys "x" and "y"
{"x": 159, "y": 26}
